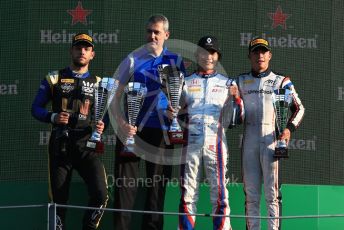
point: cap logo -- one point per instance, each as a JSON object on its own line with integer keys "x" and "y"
{"x": 259, "y": 41}
{"x": 83, "y": 37}
{"x": 209, "y": 40}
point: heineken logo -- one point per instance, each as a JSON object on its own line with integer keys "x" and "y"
{"x": 279, "y": 20}
{"x": 295, "y": 144}
{"x": 64, "y": 37}
{"x": 78, "y": 16}
{"x": 287, "y": 41}
{"x": 9, "y": 89}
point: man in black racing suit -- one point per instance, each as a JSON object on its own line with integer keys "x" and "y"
{"x": 71, "y": 93}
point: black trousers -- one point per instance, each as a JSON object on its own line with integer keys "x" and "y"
{"x": 65, "y": 156}
{"x": 128, "y": 179}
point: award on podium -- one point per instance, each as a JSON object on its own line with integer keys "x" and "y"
{"x": 135, "y": 93}
{"x": 281, "y": 99}
{"x": 174, "y": 79}
{"x": 102, "y": 91}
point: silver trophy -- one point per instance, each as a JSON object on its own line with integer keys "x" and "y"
{"x": 174, "y": 79}
{"x": 281, "y": 99}
{"x": 230, "y": 109}
{"x": 103, "y": 90}
{"x": 135, "y": 93}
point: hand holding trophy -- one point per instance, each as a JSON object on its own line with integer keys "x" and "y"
{"x": 230, "y": 109}
{"x": 281, "y": 99}
{"x": 135, "y": 93}
{"x": 102, "y": 93}
{"x": 173, "y": 78}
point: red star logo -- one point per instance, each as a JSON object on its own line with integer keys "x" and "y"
{"x": 79, "y": 14}
{"x": 279, "y": 18}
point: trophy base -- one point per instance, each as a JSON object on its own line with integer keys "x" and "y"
{"x": 176, "y": 137}
{"x": 97, "y": 146}
{"x": 128, "y": 151}
{"x": 281, "y": 152}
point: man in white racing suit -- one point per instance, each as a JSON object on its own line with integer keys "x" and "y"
{"x": 209, "y": 102}
{"x": 258, "y": 162}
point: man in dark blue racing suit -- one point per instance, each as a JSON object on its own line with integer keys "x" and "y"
{"x": 71, "y": 93}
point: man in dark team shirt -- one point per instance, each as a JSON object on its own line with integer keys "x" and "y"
{"x": 71, "y": 93}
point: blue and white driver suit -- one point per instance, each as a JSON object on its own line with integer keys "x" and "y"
{"x": 207, "y": 100}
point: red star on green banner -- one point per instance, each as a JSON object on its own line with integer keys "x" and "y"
{"x": 79, "y": 14}
{"x": 279, "y": 18}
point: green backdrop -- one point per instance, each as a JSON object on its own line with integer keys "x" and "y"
{"x": 307, "y": 40}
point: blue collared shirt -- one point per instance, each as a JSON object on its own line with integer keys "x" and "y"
{"x": 142, "y": 66}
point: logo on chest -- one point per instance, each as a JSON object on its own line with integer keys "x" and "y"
{"x": 87, "y": 88}
{"x": 195, "y": 83}
{"x": 194, "y": 89}
{"x": 217, "y": 90}
{"x": 67, "y": 87}
{"x": 194, "y": 86}
{"x": 269, "y": 83}
{"x": 248, "y": 82}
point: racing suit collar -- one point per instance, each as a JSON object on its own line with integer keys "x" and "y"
{"x": 262, "y": 74}
{"x": 76, "y": 74}
{"x": 205, "y": 74}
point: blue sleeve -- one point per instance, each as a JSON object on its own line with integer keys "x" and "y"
{"x": 42, "y": 98}
{"x": 162, "y": 101}
{"x": 182, "y": 67}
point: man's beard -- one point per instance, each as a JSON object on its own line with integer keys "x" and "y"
{"x": 79, "y": 64}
